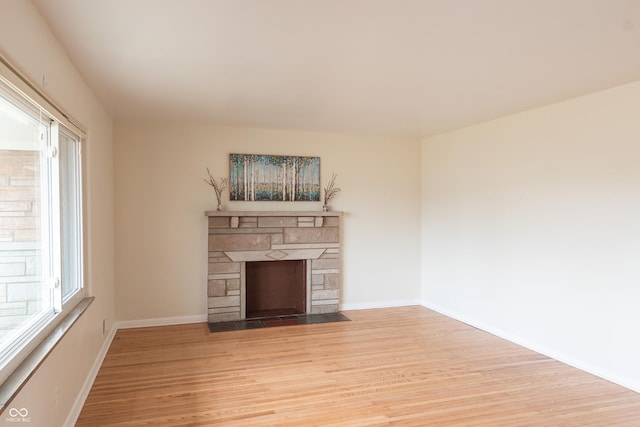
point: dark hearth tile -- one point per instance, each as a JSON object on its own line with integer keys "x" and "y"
{"x": 281, "y": 322}
{"x": 336, "y": 317}
{"x": 249, "y": 324}
{"x": 310, "y": 319}
{"x": 299, "y": 319}
{"x": 270, "y": 319}
{"x": 222, "y": 326}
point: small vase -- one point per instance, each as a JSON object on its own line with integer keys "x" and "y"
{"x": 325, "y": 208}
{"x": 219, "y": 207}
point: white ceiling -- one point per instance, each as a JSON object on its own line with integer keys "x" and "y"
{"x": 397, "y": 67}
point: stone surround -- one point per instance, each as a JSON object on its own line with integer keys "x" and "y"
{"x": 238, "y": 237}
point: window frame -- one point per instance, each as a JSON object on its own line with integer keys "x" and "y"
{"x": 27, "y": 98}
{"x": 72, "y": 298}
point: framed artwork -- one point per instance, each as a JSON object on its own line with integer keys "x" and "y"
{"x": 255, "y": 177}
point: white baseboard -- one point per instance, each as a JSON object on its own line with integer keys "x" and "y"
{"x": 549, "y": 352}
{"x": 379, "y": 304}
{"x": 161, "y": 321}
{"x": 88, "y": 382}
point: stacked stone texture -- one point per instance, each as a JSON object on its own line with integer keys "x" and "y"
{"x": 235, "y": 239}
{"x": 20, "y": 270}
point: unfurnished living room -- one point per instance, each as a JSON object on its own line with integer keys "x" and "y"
{"x": 319, "y": 213}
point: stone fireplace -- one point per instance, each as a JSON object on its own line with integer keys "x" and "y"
{"x": 250, "y": 245}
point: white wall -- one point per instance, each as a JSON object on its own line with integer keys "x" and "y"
{"x": 161, "y": 236}
{"x": 531, "y": 229}
{"x": 27, "y": 41}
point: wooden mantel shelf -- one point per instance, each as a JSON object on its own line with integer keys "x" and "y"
{"x": 317, "y": 217}
{"x": 272, "y": 213}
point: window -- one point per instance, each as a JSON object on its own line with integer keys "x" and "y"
{"x": 41, "y": 268}
{"x": 71, "y": 213}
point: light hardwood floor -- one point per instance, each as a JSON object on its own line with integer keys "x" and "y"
{"x": 403, "y": 366}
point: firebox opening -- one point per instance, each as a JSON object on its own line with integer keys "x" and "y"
{"x": 275, "y": 288}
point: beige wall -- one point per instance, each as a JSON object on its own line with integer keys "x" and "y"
{"x": 531, "y": 229}
{"x": 161, "y": 199}
{"x": 27, "y": 41}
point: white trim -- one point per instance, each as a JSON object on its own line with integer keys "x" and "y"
{"x": 380, "y": 304}
{"x": 11, "y": 75}
{"x": 567, "y": 360}
{"x": 72, "y": 418}
{"x": 161, "y": 321}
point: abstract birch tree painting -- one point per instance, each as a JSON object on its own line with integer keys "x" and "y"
{"x": 276, "y": 178}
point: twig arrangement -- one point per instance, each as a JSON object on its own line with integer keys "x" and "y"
{"x": 219, "y": 187}
{"x": 330, "y": 190}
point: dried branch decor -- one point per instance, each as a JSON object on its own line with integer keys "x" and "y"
{"x": 219, "y": 187}
{"x": 330, "y": 190}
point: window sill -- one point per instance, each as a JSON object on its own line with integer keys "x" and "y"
{"x": 14, "y": 383}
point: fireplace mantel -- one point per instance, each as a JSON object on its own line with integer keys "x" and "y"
{"x": 273, "y": 213}
{"x": 235, "y": 216}
{"x": 238, "y": 237}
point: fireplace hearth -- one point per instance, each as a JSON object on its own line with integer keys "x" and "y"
{"x": 272, "y": 263}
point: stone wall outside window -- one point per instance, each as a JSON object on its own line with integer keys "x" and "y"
{"x": 20, "y": 267}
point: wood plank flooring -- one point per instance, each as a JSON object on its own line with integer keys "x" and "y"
{"x": 404, "y": 366}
